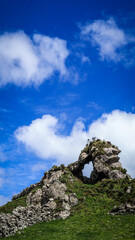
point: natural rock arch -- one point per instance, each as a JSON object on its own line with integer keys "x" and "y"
{"x": 105, "y": 160}
{"x": 49, "y": 199}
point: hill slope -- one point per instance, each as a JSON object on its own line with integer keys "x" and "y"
{"x": 89, "y": 207}
{"x": 90, "y": 218}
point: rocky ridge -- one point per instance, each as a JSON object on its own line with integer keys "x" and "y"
{"x": 49, "y": 200}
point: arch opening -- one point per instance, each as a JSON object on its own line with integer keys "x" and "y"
{"x": 88, "y": 168}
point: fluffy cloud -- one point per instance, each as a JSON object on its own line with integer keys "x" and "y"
{"x": 109, "y": 39}
{"x": 43, "y": 137}
{"x": 25, "y": 61}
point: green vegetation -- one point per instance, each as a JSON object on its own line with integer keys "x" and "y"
{"x": 86, "y": 149}
{"x": 99, "y": 145}
{"x": 90, "y": 218}
{"x": 61, "y": 167}
{"x": 123, "y": 170}
{"x": 34, "y": 190}
{"x": 56, "y": 168}
{"x": 8, "y": 207}
{"x": 59, "y": 206}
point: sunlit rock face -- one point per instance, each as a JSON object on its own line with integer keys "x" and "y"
{"x": 105, "y": 160}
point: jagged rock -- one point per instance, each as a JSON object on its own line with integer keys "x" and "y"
{"x": 105, "y": 159}
{"x": 35, "y": 198}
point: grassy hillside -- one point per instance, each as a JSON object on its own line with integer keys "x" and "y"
{"x": 90, "y": 218}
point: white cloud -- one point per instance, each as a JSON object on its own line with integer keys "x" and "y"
{"x": 108, "y": 38}
{"x": 43, "y": 137}
{"x": 25, "y": 61}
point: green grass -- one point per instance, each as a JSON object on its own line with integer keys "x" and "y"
{"x": 90, "y": 218}
{"x": 82, "y": 227}
{"x": 8, "y": 207}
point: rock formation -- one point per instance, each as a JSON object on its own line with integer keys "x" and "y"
{"x": 49, "y": 200}
{"x": 123, "y": 209}
{"x": 105, "y": 160}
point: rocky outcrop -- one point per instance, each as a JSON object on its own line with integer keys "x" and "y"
{"x": 48, "y": 199}
{"x": 26, "y": 190}
{"x": 105, "y": 160}
{"x": 48, "y": 202}
{"x": 123, "y": 209}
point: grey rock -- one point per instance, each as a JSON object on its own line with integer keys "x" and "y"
{"x": 123, "y": 209}
{"x": 66, "y": 206}
{"x": 35, "y": 198}
{"x": 129, "y": 189}
{"x": 64, "y": 214}
{"x": 105, "y": 160}
{"x": 41, "y": 205}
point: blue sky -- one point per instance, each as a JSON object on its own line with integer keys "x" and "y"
{"x": 66, "y": 74}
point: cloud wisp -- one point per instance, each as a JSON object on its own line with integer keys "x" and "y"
{"x": 110, "y": 40}
{"x": 43, "y": 137}
{"x": 28, "y": 61}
